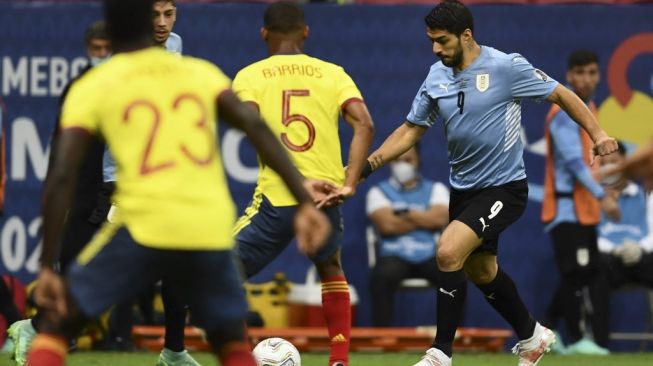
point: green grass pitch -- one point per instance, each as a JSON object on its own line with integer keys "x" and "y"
{"x": 374, "y": 359}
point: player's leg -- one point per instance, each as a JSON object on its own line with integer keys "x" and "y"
{"x": 457, "y": 242}
{"x": 336, "y": 302}
{"x": 79, "y": 232}
{"x": 108, "y": 271}
{"x": 385, "y": 279}
{"x": 211, "y": 283}
{"x": 262, "y": 233}
{"x": 583, "y": 284}
{"x": 565, "y": 248}
{"x": 597, "y": 298}
{"x": 175, "y": 309}
{"x": 50, "y": 346}
{"x": 642, "y": 272}
{"x": 500, "y": 292}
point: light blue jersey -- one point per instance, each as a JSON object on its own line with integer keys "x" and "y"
{"x": 569, "y": 167}
{"x": 632, "y": 226}
{"x": 174, "y": 45}
{"x": 481, "y": 109}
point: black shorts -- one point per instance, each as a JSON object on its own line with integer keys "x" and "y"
{"x": 489, "y": 211}
{"x": 576, "y": 250}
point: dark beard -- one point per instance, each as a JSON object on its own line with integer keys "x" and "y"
{"x": 455, "y": 60}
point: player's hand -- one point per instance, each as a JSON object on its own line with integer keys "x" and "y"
{"x": 337, "y": 197}
{"x": 312, "y": 228}
{"x": 604, "y": 146}
{"x": 319, "y": 189}
{"x": 638, "y": 165}
{"x": 610, "y": 205}
{"x": 629, "y": 252}
{"x": 50, "y": 292}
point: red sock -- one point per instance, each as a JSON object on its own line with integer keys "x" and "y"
{"x": 337, "y": 312}
{"x": 47, "y": 350}
{"x": 236, "y": 354}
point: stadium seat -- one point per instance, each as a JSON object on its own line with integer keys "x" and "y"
{"x": 407, "y": 284}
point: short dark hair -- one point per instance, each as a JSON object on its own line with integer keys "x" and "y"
{"x": 284, "y": 17}
{"x": 129, "y": 20}
{"x": 173, "y": 2}
{"x": 581, "y": 58}
{"x": 452, "y": 16}
{"x": 97, "y": 30}
{"x": 621, "y": 148}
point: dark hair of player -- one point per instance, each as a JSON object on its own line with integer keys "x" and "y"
{"x": 173, "y": 2}
{"x": 97, "y": 30}
{"x": 581, "y": 58}
{"x": 129, "y": 21}
{"x": 452, "y": 16}
{"x": 284, "y": 17}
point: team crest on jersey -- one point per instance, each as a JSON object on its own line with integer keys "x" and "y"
{"x": 482, "y": 82}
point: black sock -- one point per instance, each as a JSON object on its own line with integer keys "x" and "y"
{"x": 502, "y": 294}
{"x": 452, "y": 291}
{"x": 175, "y": 319}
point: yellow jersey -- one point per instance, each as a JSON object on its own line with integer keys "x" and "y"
{"x": 157, "y": 113}
{"x": 300, "y": 98}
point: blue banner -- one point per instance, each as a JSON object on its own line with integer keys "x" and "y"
{"x": 386, "y": 51}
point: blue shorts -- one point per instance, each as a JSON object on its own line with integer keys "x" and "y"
{"x": 266, "y": 230}
{"x": 113, "y": 268}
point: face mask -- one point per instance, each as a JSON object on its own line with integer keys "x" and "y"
{"x": 97, "y": 60}
{"x": 403, "y": 172}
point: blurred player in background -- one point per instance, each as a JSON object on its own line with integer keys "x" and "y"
{"x": 571, "y": 211}
{"x": 477, "y": 90}
{"x": 301, "y": 98}
{"x": 165, "y": 16}
{"x": 81, "y": 222}
{"x": 171, "y": 187}
{"x": 627, "y": 245}
{"x": 638, "y": 165}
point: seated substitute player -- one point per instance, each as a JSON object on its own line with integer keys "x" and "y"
{"x": 477, "y": 90}
{"x": 160, "y": 128}
{"x": 627, "y": 245}
{"x": 301, "y": 98}
{"x": 408, "y": 213}
{"x": 81, "y": 224}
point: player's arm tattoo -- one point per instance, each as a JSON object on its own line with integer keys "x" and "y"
{"x": 376, "y": 161}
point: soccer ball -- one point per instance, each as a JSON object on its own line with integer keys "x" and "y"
{"x": 276, "y": 352}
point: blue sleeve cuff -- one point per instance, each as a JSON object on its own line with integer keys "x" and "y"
{"x": 578, "y": 168}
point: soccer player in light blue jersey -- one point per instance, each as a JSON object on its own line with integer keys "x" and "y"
{"x": 475, "y": 92}
{"x": 165, "y": 16}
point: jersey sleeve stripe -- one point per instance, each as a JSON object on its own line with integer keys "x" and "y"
{"x": 349, "y": 101}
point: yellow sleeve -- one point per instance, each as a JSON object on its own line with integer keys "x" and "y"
{"x": 243, "y": 87}
{"x": 347, "y": 89}
{"x": 80, "y": 108}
